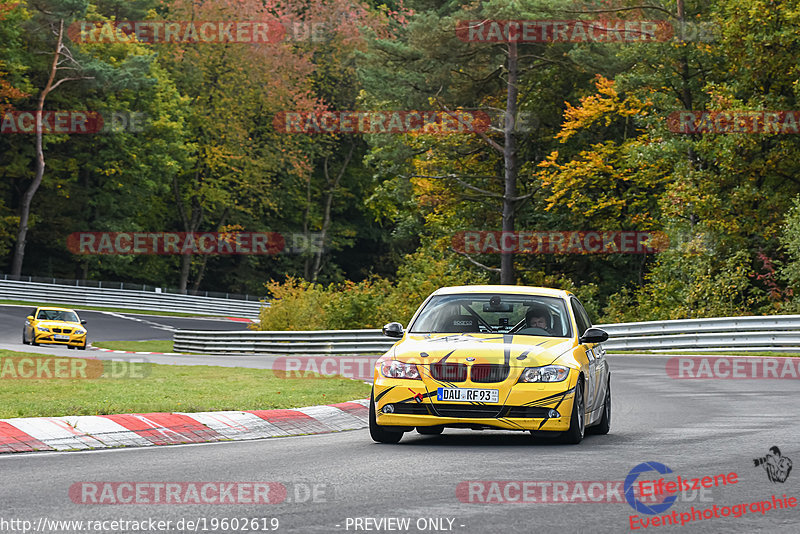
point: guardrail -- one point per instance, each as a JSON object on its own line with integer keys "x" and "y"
{"x": 295, "y": 342}
{"x": 753, "y": 333}
{"x": 130, "y": 286}
{"x": 35, "y": 292}
{"x": 777, "y": 332}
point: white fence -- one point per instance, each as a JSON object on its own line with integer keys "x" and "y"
{"x": 776, "y": 333}
{"x": 35, "y": 292}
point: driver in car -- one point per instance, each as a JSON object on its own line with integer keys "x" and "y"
{"x": 538, "y": 317}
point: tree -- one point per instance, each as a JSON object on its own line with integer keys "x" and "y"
{"x": 65, "y": 63}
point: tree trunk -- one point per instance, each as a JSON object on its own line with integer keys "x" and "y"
{"x": 202, "y": 271}
{"x": 189, "y": 225}
{"x": 510, "y": 164}
{"x": 27, "y": 198}
{"x": 326, "y": 221}
{"x": 306, "y": 217}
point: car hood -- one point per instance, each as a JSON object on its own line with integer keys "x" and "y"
{"x": 514, "y": 350}
{"x": 59, "y": 324}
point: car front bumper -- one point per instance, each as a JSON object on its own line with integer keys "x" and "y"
{"x": 522, "y": 406}
{"x": 47, "y": 338}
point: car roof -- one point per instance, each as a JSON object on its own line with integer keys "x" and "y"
{"x": 516, "y": 290}
{"x": 54, "y": 308}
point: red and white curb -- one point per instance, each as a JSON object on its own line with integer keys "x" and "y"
{"x": 29, "y": 434}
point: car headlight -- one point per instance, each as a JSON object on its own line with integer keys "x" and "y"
{"x": 396, "y": 369}
{"x": 42, "y": 329}
{"x": 80, "y": 332}
{"x": 548, "y": 373}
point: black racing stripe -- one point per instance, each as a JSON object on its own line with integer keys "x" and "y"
{"x": 550, "y": 398}
{"x": 509, "y": 421}
{"x": 508, "y": 340}
{"x": 542, "y": 423}
{"x": 384, "y": 392}
{"x": 446, "y": 356}
{"x": 563, "y": 396}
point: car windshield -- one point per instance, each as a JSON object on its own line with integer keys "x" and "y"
{"x": 492, "y": 312}
{"x": 58, "y": 315}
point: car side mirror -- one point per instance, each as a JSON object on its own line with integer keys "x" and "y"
{"x": 594, "y": 335}
{"x": 83, "y": 321}
{"x": 393, "y": 330}
{"x": 29, "y": 318}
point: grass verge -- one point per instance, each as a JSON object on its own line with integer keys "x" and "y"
{"x": 153, "y": 345}
{"x": 154, "y": 388}
{"x": 34, "y": 304}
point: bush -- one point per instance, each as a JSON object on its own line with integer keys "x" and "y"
{"x": 300, "y": 305}
{"x": 689, "y": 283}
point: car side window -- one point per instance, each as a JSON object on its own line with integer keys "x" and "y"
{"x": 585, "y": 314}
{"x": 581, "y": 317}
{"x": 42, "y": 314}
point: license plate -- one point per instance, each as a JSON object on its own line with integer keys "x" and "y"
{"x": 58, "y": 337}
{"x": 467, "y": 395}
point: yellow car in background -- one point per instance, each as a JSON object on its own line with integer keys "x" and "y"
{"x": 494, "y": 357}
{"x": 60, "y": 326}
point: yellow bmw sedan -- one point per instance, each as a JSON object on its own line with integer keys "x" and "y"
{"x": 54, "y": 326}
{"x": 494, "y": 357}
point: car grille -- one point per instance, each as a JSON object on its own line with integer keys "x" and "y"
{"x": 449, "y": 372}
{"x": 525, "y": 411}
{"x": 489, "y": 372}
{"x": 411, "y": 409}
{"x": 466, "y": 410}
{"x": 62, "y": 330}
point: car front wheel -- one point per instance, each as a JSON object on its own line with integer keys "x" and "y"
{"x": 377, "y": 432}
{"x": 605, "y": 421}
{"x": 574, "y": 435}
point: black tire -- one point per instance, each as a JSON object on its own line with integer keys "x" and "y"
{"x": 577, "y": 425}
{"x": 33, "y": 341}
{"x": 70, "y": 347}
{"x": 82, "y": 347}
{"x": 377, "y": 432}
{"x": 24, "y": 341}
{"x": 604, "y": 425}
{"x": 430, "y": 430}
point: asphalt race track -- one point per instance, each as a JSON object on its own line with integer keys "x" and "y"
{"x": 112, "y": 326}
{"x": 697, "y": 428}
{"x": 108, "y": 326}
